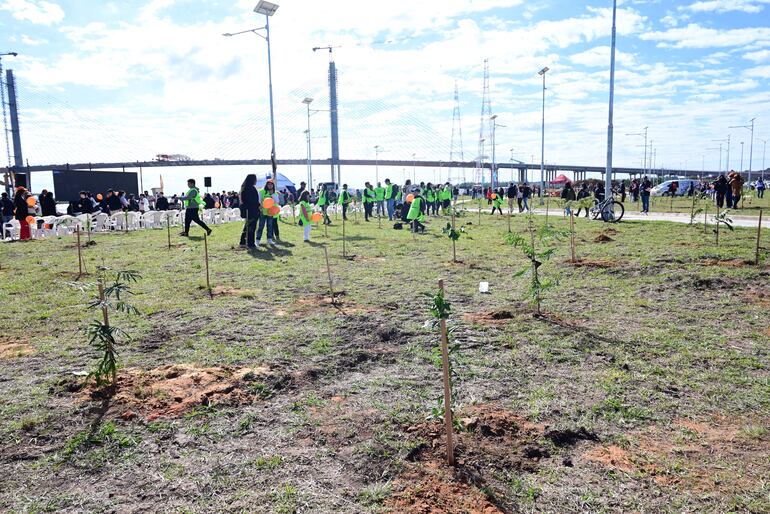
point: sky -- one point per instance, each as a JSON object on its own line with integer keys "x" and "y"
{"x": 124, "y": 81}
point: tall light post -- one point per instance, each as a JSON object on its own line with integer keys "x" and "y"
{"x": 377, "y": 149}
{"x": 307, "y": 101}
{"x": 414, "y": 168}
{"x": 494, "y": 173}
{"x": 721, "y": 142}
{"x": 751, "y": 146}
{"x": 542, "y": 139}
{"x": 741, "y": 170}
{"x": 268, "y": 9}
{"x": 644, "y": 135}
{"x": 764, "y": 147}
{"x": 610, "y": 128}
{"x": 720, "y": 154}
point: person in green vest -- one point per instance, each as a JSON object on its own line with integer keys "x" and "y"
{"x": 379, "y": 199}
{"x": 445, "y": 197}
{"x": 344, "y": 200}
{"x": 497, "y": 202}
{"x": 305, "y": 211}
{"x": 368, "y": 200}
{"x": 265, "y": 219}
{"x": 193, "y": 203}
{"x": 416, "y": 212}
{"x": 430, "y": 200}
{"x": 391, "y": 191}
{"x": 323, "y": 203}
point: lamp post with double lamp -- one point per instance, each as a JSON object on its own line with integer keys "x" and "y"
{"x": 644, "y": 135}
{"x": 414, "y": 168}
{"x": 542, "y": 139}
{"x": 610, "y": 126}
{"x": 494, "y": 179}
{"x": 720, "y": 155}
{"x": 751, "y": 145}
{"x": 267, "y": 9}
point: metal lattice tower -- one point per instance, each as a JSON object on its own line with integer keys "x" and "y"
{"x": 485, "y": 131}
{"x": 456, "y": 147}
{"x": 5, "y": 116}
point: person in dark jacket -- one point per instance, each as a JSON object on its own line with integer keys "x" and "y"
{"x": 7, "y": 208}
{"x": 113, "y": 202}
{"x": 511, "y": 194}
{"x": 250, "y": 206}
{"x": 721, "y": 187}
{"x": 583, "y": 193}
{"x": 161, "y": 203}
{"x": 21, "y": 211}
{"x": 568, "y": 195}
{"x": 47, "y": 203}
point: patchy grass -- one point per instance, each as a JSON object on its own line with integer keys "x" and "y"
{"x": 643, "y": 387}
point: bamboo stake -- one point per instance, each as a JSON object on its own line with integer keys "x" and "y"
{"x": 705, "y": 219}
{"x": 759, "y": 235}
{"x": 547, "y": 208}
{"x": 329, "y": 272}
{"x": 572, "y": 234}
{"x": 80, "y": 257}
{"x": 206, "y": 254}
{"x": 344, "y": 252}
{"x": 479, "y": 211}
{"x": 510, "y": 215}
{"x": 450, "y": 452}
{"x": 168, "y": 229}
{"x": 454, "y": 243}
{"x": 105, "y": 315}
{"x": 125, "y": 216}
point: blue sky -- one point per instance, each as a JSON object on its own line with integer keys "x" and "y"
{"x": 128, "y": 80}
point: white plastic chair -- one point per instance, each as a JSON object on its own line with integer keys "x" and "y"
{"x": 100, "y": 222}
{"x": 64, "y": 225}
{"x": 12, "y": 230}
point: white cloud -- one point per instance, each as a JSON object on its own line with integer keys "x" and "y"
{"x": 27, "y": 40}
{"x": 761, "y": 72}
{"x": 38, "y": 12}
{"x": 599, "y": 56}
{"x": 722, "y": 6}
{"x": 697, "y": 36}
{"x": 758, "y": 56}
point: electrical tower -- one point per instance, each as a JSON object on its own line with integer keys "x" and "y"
{"x": 456, "y": 148}
{"x": 485, "y": 131}
{"x": 336, "y": 175}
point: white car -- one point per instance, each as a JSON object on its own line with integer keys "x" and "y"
{"x": 664, "y": 189}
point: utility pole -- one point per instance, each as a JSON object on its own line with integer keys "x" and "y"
{"x": 18, "y": 159}
{"x": 751, "y": 150}
{"x": 542, "y": 139}
{"x": 610, "y": 128}
{"x": 336, "y": 173}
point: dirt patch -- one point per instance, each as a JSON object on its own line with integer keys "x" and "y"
{"x": 433, "y": 489}
{"x": 14, "y": 349}
{"x": 174, "y": 390}
{"x": 729, "y": 263}
{"x": 313, "y": 303}
{"x": 603, "y": 238}
{"x": 232, "y": 291}
{"x": 721, "y": 455}
{"x": 594, "y": 263}
{"x": 496, "y": 317}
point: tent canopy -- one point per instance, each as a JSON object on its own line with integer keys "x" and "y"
{"x": 282, "y": 183}
{"x": 561, "y": 179}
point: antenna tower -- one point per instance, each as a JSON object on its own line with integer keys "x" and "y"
{"x": 485, "y": 131}
{"x": 456, "y": 148}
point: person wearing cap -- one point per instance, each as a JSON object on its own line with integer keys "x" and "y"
{"x": 193, "y": 203}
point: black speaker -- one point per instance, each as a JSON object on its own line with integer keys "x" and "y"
{"x": 21, "y": 180}
{"x": 206, "y": 181}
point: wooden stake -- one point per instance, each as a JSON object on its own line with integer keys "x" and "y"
{"x": 206, "y": 254}
{"x": 705, "y": 219}
{"x": 717, "y": 227}
{"x": 105, "y": 315}
{"x": 510, "y": 215}
{"x": 547, "y": 208}
{"x": 454, "y": 243}
{"x": 125, "y": 216}
{"x": 80, "y": 257}
{"x": 572, "y": 235}
{"x": 329, "y": 272}
{"x": 479, "y": 211}
{"x": 450, "y": 451}
{"x": 759, "y": 235}
{"x": 344, "y": 251}
{"x": 168, "y": 229}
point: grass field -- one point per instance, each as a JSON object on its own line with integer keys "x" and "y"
{"x": 643, "y": 388}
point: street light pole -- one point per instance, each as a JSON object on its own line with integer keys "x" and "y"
{"x": 542, "y": 139}
{"x": 741, "y": 170}
{"x": 610, "y": 128}
{"x": 307, "y": 101}
{"x": 414, "y": 168}
{"x": 764, "y": 147}
{"x": 268, "y": 9}
{"x": 751, "y": 150}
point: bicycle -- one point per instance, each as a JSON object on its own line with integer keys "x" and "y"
{"x": 610, "y": 210}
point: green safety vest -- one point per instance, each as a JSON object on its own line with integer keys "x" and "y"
{"x": 196, "y": 194}
{"x": 389, "y": 192}
{"x": 368, "y": 196}
{"x": 321, "y": 199}
{"x": 379, "y": 193}
{"x": 498, "y": 201}
{"x": 430, "y": 196}
{"x": 399, "y": 195}
{"x": 445, "y": 194}
{"x": 306, "y": 205}
{"x": 264, "y": 195}
{"x": 344, "y": 197}
{"x": 414, "y": 210}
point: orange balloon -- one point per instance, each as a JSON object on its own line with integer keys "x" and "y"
{"x": 31, "y": 201}
{"x": 409, "y": 198}
{"x": 268, "y": 203}
{"x": 316, "y": 217}
{"x": 494, "y": 196}
{"x": 99, "y": 197}
{"x": 274, "y": 210}
{"x": 30, "y": 219}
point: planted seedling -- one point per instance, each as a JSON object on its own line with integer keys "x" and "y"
{"x": 440, "y": 309}
{"x": 722, "y": 218}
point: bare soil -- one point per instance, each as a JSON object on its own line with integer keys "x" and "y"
{"x": 12, "y": 349}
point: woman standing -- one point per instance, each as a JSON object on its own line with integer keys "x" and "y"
{"x": 323, "y": 203}
{"x": 21, "y": 212}
{"x": 265, "y": 218}
{"x": 250, "y": 210}
{"x": 304, "y": 214}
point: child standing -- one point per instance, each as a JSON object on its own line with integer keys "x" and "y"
{"x": 304, "y": 214}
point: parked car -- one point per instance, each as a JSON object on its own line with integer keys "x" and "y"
{"x": 664, "y": 189}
